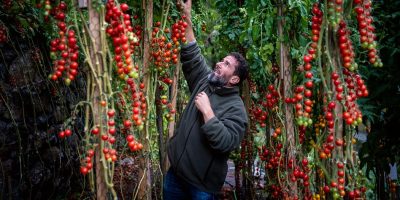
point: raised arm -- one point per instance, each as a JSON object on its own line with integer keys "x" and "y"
{"x": 194, "y": 66}
{"x": 187, "y": 12}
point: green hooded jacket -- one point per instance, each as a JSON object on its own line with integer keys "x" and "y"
{"x": 198, "y": 151}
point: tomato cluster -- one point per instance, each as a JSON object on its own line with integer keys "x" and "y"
{"x": 271, "y": 99}
{"x": 3, "y": 34}
{"x": 276, "y": 158}
{"x": 316, "y": 22}
{"x": 124, "y": 39}
{"x": 340, "y": 178}
{"x": 356, "y": 193}
{"x": 301, "y": 173}
{"x": 346, "y": 47}
{"x": 335, "y": 100}
{"x": 327, "y": 147}
{"x": 165, "y": 47}
{"x": 64, "y": 50}
{"x": 304, "y": 104}
{"x": 272, "y": 160}
{"x": 165, "y": 52}
{"x": 87, "y": 165}
{"x": 138, "y": 105}
{"x": 47, "y": 9}
{"x": 87, "y": 162}
{"x": 338, "y": 188}
{"x": 169, "y": 111}
{"x": 272, "y": 156}
{"x": 355, "y": 89}
{"x": 133, "y": 144}
{"x": 366, "y": 29}
{"x": 167, "y": 38}
{"x": 260, "y": 115}
{"x": 335, "y": 12}
{"x": 275, "y": 191}
{"x": 303, "y": 93}
{"x": 64, "y": 133}
{"x": 137, "y": 116}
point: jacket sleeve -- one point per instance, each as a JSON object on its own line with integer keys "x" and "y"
{"x": 226, "y": 133}
{"x": 194, "y": 66}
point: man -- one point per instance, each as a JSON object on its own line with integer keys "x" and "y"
{"x": 212, "y": 124}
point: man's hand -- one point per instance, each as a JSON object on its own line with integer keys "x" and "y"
{"x": 186, "y": 10}
{"x": 202, "y": 103}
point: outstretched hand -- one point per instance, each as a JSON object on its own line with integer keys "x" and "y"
{"x": 186, "y": 12}
{"x": 187, "y": 8}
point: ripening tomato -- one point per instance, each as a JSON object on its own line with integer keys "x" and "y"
{"x": 322, "y": 155}
{"x": 95, "y": 131}
{"x": 84, "y": 170}
{"x": 68, "y": 132}
{"x": 305, "y": 161}
{"x": 340, "y": 173}
{"x": 339, "y": 142}
{"x": 124, "y": 7}
{"x": 90, "y": 152}
{"x": 340, "y": 165}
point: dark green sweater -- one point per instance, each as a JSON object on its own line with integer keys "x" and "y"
{"x": 199, "y": 151}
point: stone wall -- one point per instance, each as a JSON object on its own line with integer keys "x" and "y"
{"x": 34, "y": 162}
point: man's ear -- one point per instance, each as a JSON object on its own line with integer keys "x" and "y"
{"x": 234, "y": 80}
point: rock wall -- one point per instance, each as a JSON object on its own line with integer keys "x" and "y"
{"x": 34, "y": 162}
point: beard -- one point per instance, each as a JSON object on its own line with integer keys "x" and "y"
{"x": 216, "y": 81}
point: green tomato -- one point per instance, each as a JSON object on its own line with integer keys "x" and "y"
{"x": 67, "y": 81}
{"x": 300, "y": 121}
{"x": 355, "y": 65}
{"x": 372, "y": 45}
{"x": 53, "y": 55}
{"x": 364, "y": 45}
{"x": 134, "y": 74}
{"x": 336, "y": 195}
{"x": 140, "y": 127}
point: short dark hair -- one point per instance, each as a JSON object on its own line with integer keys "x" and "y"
{"x": 242, "y": 69}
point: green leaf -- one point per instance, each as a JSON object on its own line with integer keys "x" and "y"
{"x": 241, "y": 38}
{"x": 295, "y": 53}
{"x": 268, "y": 66}
{"x": 267, "y": 49}
{"x": 255, "y": 32}
{"x": 268, "y": 23}
{"x": 231, "y": 36}
{"x": 263, "y": 3}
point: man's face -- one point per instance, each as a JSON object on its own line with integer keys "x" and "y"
{"x": 223, "y": 73}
